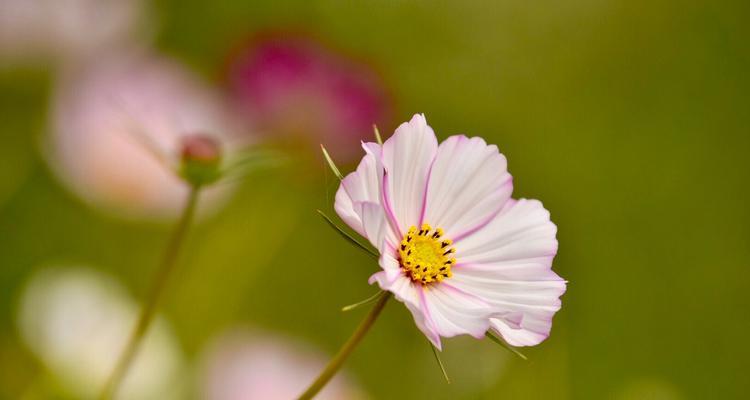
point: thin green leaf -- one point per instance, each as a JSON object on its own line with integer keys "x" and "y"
{"x": 249, "y": 162}
{"x": 348, "y": 237}
{"x": 440, "y": 363}
{"x": 331, "y": 164}
{"x": 363, "y": 302}
{"x": 505, "y": 345}
{"x": 377, "y": 134}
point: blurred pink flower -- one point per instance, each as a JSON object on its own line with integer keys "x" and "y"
{"x": 291, "y": 85}
{"x": 455, "y": 248}
{"x": 64, "y": 29}
{"x": 118, "y": 128}
{"x": 241, "y": 365}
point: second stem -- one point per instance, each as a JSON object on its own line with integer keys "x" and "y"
{"x": 149, "y": 308}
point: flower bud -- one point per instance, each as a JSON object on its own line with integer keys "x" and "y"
{"x": 201, "y": 159}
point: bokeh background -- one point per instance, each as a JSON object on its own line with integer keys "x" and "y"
{"x": 628, "y": 119}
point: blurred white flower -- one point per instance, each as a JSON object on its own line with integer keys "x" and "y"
{"x": 77, "y": 322}
{"x": 67, "y": 29}
{"x": 242, "y": 365}
{"x": 118, "y": 128}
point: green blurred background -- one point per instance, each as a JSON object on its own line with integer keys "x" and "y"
{"x": 628, "y": 119}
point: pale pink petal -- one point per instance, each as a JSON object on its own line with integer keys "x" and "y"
{"x": 468, "y": 185}
{"x": 363, "y": 185}
{"x": 535, "y": 330}
{"x": 409, "y": 293}
{"x": 391, "y": 269}
{"x": 407, "y": 156}
{"x": 375, "y": 225}
{"x": 452, "y": 311}
{"x": 376, "y": 150}
{"x": 403, "y": 289}
{"x": 424, "y": 324}
{"x": 508, "y": 264}
{"x": 521, "y": 231}
{"x": 522, "y": 309}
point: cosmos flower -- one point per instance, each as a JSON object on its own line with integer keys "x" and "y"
{"x": 119, "y": 128}
{"x": 244, "y": 365}
{"x": 293, "y": 86}
{"x": 67, "y": 30}
{"x": 77, "y": 321}
{"x": 455, "y": 248}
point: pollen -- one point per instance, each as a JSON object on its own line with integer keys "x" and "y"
{"x": 425, "y": 256}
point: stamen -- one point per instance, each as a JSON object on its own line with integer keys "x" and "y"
{"x": 424, "y": 256}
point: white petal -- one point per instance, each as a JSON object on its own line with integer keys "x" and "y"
{"x": 407, "y": 156}
{"x": 468, "y": 185}
{"x": 535, "y": 329}
{"x": 363, "y": 185}
{"x": 523, "y": 310}
{"x": 391, "y": 270}
{"x": 451, "y": 311}
{"x": 407, "y": 292}
{"x": 508, "y": 265}
{"x": 521, "y": 231}
{"x": 376, "y": 227}
{"x": 402, "y": 287}
{"x": 424, "y": 324}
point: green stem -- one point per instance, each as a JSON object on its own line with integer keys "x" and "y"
{"x": 149, "y": 308}
{"x": 336, "y": 362}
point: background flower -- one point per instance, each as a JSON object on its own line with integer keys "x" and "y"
{"x": 67, "y": 29}
{"x": 117, "y": 131}
{"x": 77, "y": 321}
{"x": 243, "y": 365}
{"x": 296, "y": 88}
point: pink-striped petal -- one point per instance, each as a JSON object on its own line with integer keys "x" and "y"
{"x": 391, "y": 271}
{"x": 362, "y": 185}
{"x": 392, "y": 279}
{"x": 407, "y": 156}
{"x": 450, "y": 311}
{"x": 508, "y": 265}
{"x": 376, "y": 227}
{"x": 468, "y": 185}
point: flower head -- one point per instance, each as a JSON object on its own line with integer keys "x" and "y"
{"x": 455, "y": 248}
{"x": 291, "y": 85}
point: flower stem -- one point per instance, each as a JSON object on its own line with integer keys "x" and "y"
{"x": 148, "y": 310}
{"x": 338, "y": 360}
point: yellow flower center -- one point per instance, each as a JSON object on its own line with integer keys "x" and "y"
{"x": 424, "y": 256}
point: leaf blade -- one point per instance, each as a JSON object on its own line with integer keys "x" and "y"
{"x": 331, "y": 164}
{"x": 348, "y": 237}
{"x": 506, "y": 346}
{"x": 377, "y": 134}
{"x": 363, "y": 302}
{"x": 440, "y": 363}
